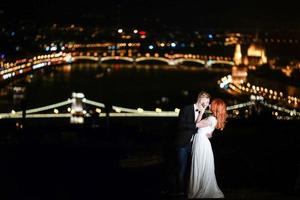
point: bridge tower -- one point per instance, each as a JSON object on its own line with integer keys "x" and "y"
{"x": 77, "y": 111}
{"x": 237, "y": 58}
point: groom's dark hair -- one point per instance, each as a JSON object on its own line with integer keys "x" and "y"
{"x": 203, "y": 94}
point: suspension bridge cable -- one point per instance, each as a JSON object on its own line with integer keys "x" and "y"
{"x": 94, "y": 103}
{"x": 56, "y": 105}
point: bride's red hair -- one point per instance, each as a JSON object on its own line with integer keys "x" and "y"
{"x": 218, "y": 109}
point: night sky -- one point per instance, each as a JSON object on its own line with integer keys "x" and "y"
{"x": 184, "y": 13}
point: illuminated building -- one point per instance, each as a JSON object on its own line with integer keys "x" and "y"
{"x": 255, "y": 55}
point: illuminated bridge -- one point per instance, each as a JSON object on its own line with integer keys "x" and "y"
{"x": 76, "y": 113}
{"x": 12, "y": 69}
{"x": 169, "y": 61}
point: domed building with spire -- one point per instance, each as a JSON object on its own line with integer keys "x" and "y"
{"x": 247, "y": 58}
{"x": 254, "y": 56}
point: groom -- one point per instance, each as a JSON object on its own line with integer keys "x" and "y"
{"x": 186, "y": 129}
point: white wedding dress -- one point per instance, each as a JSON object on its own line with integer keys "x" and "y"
{"x": 203, "y": 183}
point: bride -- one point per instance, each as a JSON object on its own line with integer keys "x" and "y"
{"x": 203, "y": 182}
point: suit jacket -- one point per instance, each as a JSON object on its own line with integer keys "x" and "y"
{"x": 186, "y": 125}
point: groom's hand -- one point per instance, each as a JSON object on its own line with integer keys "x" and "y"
{"x": 201, "y": 108}
{"x": 205, "y": 106}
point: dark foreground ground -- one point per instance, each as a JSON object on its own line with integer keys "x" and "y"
{"x": 134, "y": 159}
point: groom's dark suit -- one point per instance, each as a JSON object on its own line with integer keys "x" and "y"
{"x": 186, "y": 126}
{"x": 186, "y": 129}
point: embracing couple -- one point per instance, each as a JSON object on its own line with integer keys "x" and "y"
{"x": 196, "y": 173}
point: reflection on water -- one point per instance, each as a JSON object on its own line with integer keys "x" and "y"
{"x": 128, "y": 85}
{"x": 147, "y": 86}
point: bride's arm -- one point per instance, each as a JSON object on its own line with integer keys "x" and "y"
{"x": 204, "y": 123}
